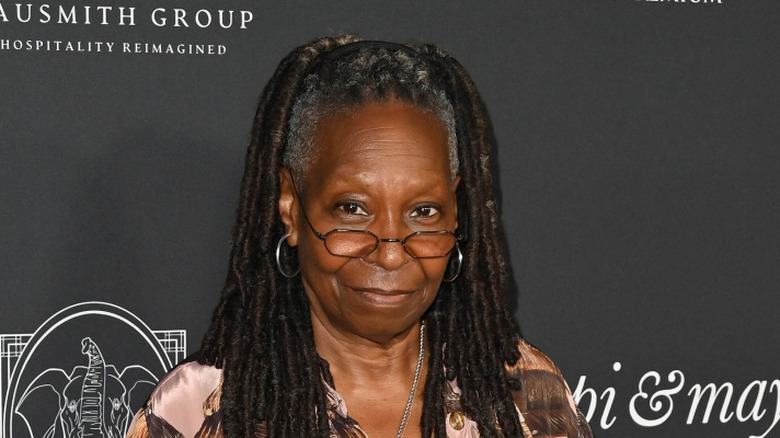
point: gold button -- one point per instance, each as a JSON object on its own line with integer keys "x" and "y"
{"x": 457, "y": 420}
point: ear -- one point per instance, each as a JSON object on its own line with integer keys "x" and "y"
{"x": 288, "y": 206}
{"x": 455, "y": 198}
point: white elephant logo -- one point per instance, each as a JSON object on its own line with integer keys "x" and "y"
{"x": 65, "y": 378}
{"x": 94, "y": 400}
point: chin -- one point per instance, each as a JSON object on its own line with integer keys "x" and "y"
{"x": 380, "y": 317}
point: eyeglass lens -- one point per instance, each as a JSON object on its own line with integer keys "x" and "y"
{"x": 354, "y": 243}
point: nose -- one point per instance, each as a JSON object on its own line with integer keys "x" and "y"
{"x": 389, "y": 227}
{"x": 390, "y": 254}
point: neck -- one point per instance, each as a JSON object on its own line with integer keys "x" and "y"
{"x": 365, "y": 362}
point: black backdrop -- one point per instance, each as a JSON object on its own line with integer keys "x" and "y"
{"x": 638, "y": 162}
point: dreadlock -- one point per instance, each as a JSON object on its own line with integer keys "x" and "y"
{"x": 261, "y": 333}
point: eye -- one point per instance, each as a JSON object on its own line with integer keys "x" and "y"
{"x": 351, "y": 208}
{"x": 425, "y": 211}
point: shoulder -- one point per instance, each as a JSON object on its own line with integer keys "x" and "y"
{"x": 543, "y": 397}
{"x": 532, "y": 358}
{"x": 184, "y": 389}
{"x": 182, "y": 400}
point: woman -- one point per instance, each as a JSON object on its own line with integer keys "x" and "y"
{"x": 366, "y": 288}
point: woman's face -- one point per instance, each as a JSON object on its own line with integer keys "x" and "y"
{"x": 382, "y": 167}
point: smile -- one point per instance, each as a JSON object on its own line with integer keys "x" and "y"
{"x": 381, "y": 297}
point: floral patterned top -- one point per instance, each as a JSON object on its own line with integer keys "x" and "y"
{"x": 186, "y": 402}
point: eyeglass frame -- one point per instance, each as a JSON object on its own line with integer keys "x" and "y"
{"x": 324, "y": 236}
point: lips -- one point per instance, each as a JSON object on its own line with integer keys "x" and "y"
{"x": 383, "y": 297}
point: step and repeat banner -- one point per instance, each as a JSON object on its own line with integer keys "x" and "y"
{"x": 638, "y": 159}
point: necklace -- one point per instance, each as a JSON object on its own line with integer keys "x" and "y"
{"x": 414, "y": 383}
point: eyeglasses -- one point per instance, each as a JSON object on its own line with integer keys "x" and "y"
{"x": 344, "y": 242}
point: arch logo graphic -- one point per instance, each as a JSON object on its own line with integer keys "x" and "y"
{"x": 83, "y": 373}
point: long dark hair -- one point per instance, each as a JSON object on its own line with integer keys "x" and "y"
{"x": 261, "y": 332}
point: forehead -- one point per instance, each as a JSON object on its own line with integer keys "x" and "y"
{"x": 378, "y": 137}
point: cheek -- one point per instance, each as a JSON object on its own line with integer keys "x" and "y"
{"x": 315, "y": 259}
{"x": 434, "y": 269}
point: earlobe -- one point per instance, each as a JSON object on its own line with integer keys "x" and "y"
{"x": 287, "y": 206}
